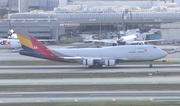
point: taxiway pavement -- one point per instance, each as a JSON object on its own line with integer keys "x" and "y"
{"x": 91, "y": 81}
{"x": 85, "y": 69}
{"x": 96, "y": 96}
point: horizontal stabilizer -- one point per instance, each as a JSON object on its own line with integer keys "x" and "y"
{"x": 72, "y": 58}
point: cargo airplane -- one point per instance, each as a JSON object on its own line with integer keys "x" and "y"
{"x": 12, "y": 42}
{"x": 133, "y": 40}
{"x": 9, "y": 44}
{"x": 123, "y": 40}
{"x": 92, "y": 57}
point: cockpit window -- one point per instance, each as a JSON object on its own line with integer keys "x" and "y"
{"x": 154, "y": 47}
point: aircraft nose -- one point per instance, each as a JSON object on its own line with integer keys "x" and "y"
{"x": 164, "y": 53}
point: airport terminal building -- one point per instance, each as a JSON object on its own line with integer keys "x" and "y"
{"x": 77, "y": 13}
{"x": 41, "y": 29}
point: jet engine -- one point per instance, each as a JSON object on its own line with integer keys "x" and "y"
{"x": 141, "y": 43}
{"x": 114, "y": 44}
{"x": 89, "y": 62}
{"x": 110, "y": 63}
{"x": 121, "y": 42}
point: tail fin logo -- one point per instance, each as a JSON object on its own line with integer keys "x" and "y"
{"x": 5, "y": 42}
{"x": 35, "y": 47}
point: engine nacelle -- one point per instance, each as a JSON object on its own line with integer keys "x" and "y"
{"x": 141, "y": 43}
{"x": 122, "y": 43}
{"x": 110, "y": 63}
{"x": 89, "y": 62}
{"x": 114, "y": 44}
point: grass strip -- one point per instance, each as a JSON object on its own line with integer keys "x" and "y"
{"x": 38, "y": 88}
{"x": 85, "y": 75}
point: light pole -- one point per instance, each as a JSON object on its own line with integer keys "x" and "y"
{"x": 100, "y": 29}
{"x": 9, "y": 5}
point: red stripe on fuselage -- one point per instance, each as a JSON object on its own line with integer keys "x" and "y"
{"x": 39, "y": 47}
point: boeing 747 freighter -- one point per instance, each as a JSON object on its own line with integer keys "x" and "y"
{"x": 92, "y": 57}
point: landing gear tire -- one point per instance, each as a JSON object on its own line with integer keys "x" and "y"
{"x": 114, "y": 44}
{"x": 100, "y": 66}
{"x": 150, "y": 65}
{"x": 96, "y": 65}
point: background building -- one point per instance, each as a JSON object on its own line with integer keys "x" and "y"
{"x": 140, "y": 3}
{"x": 170, "y": 31}
{"x": 99, "y": 15}
{"x": 3, "y": 3}
{"x": 63, "y": 2}
{"x": 41, "y": 29}
{"x": 49, "y": 5}
{"x": 28, "y": 5}
{"x": 176, "y": 1}
{"x": 37, "y": 4}
{"x": 13, "y": 5}
{"x": 23, "y": 6}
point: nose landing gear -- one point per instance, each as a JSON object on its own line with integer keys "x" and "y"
{"x": 150, "y": 65}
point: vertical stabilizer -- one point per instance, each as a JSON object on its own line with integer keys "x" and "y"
{"x": 32, "y": 47}
{"x": 28, "y": 41}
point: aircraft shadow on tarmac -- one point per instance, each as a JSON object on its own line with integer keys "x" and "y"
{"x": 134, "y": 67}
{"x": 103, "y": 68}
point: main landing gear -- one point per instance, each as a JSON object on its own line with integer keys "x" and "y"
{"x": 150, "y": 65}
{"x": 96, "y": 65}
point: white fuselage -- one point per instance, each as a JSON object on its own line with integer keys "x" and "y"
{"x": 128, "y": 39}
{"x": 126, "y": 53}
{"x": 9, "y": 44}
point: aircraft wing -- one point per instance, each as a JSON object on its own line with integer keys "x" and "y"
{"x": 110, "y": 41}
{"x": 81, "y": 58}
{"x": 154, "y": 40}
{"x": 73, "y": 59}
{"x": 97, "y": 59}
{"x": 146, "y": 41}
{"x": 44, "y": 40}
